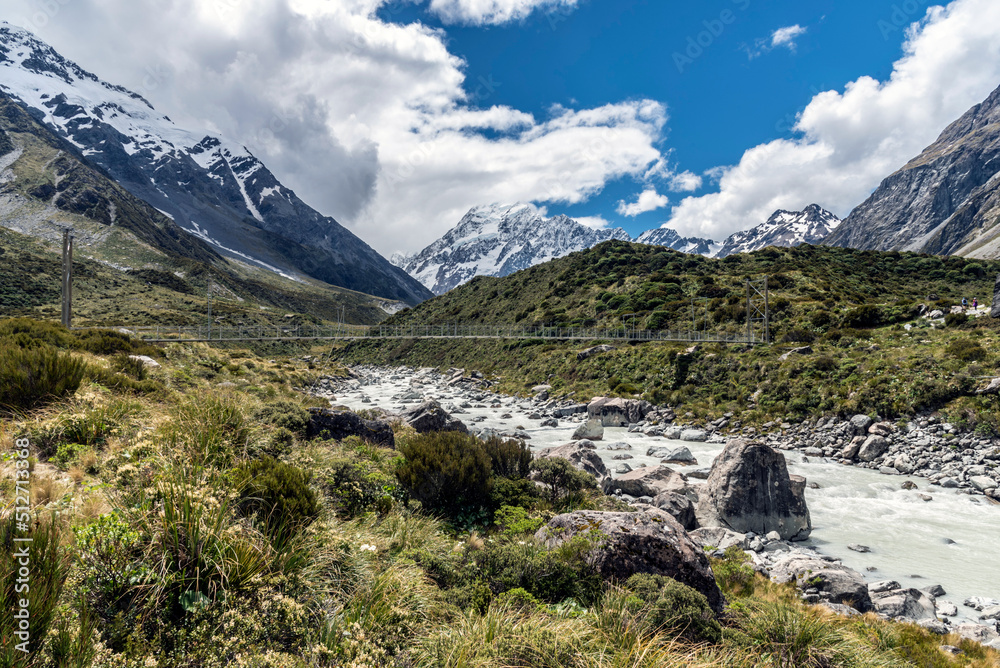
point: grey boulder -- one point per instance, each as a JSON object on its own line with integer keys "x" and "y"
{"x": 749, "y": 489}
{"x": 618, "y": 412}
{"x": 338, "y": 425}
{"x": 836, "y": 582}
{"x": 583, "y": 455}
{"x": 650, "y": 541}
{"x": 429, "y": 417}
{"x": 592, "y": 430}
{"x": 647, "y": 481}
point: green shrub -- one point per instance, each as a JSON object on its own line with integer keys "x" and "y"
{"x": 956, "y": 319}
{"x": 284, "y": 414}
{"x": 30, "y": 378}
{"x": 675, "y": 607}
{"x": 562, "y": 479}
{"x": 109, "y": 552}
{"x": 514, "y": 521}
{"x": 48, "y": 566}
{"x": 517, "y": 599}
{"x": 548, "y": 575}
{"x": 966, "y": 350}
{"x": 212, "y": 428}
{"x": 522, "y": 493}
{"x": 863, "y": 317}
{"x": 734, "y": 573}
{"x": 448, "y": 472}
{"x": 277, "y": 493}
{"x": 357, "y": 487}
{"x": 509, "y": 457}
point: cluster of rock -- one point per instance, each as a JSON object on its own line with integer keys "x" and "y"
{"x": 924, "y": 447}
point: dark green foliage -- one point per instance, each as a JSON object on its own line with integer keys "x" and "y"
{"x": 734, "y": 572}
{"x": 548, "y": 575}
{"x": 448, "y": 472}
{"x": 30, "y": 378}
{"x": 357, "y": 487}
{"x": 130, "y": 366}
{"x": 671, "y": 606}
{"x": 509, "y": 457}
{"x": 797, "y": 336}
{"x": 47, "y": 569}
{"x": 866, "y": 316}
{"x": 966, "y": 350}
{"x": 564, "y": 481}
{"x": 955, "y": 319}
{"x": 522, "y": 492}
{"x": 277, "y": 493}
{"x": 517, "y": 599}
{"x": 286, "y": 414}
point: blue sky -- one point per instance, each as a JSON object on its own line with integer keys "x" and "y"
{"x": 398, "y": 116}
{"x": 738, "y": 91}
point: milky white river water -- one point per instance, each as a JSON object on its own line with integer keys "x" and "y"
{"x": 953, "y": 540}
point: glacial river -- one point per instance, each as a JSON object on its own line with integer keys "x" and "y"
{"x": 952, "y": 540}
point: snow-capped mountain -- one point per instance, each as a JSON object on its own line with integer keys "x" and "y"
{"x": 664, "y": 236}
{"x": 211, "y": 187}
{"x": 498, "y": 240}
{"x": 783, "y": 228}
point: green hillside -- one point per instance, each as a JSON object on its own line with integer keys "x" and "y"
{"x": 849, "y": 306}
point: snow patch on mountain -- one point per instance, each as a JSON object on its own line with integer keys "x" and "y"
{"x": 498, "y": 240}
{"x": 783, "y": 228}
{"x": 665, "y": 236}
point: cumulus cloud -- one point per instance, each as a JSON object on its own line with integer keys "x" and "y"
{"x": 685, "y": 182}
{"x": 370, "y": 121}
{"x": 786, "y": 36}
{"x": 479, "y": 12}
{"x": 848, "y": 141}
{"x": 648, "y": 200}
{"x": 593, "y": 222}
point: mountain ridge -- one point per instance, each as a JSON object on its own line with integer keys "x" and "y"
{"x": 784, "y": 229}
{"x": 212, "y": 188}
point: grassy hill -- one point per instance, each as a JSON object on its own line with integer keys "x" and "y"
{"x": 181, "y": 518}
{"x": 852, "y": 307}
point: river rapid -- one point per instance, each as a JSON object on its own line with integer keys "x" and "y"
{"x": 952, "y": 540}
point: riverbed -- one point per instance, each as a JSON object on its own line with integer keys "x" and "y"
{"x": 952, "y": 540}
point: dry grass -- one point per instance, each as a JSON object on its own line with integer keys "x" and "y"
{"x": 45, "y": 490}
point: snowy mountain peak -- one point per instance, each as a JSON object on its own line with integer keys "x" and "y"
{"x": 783, "y": 228}
{"x": 665, "y": 236}
{"x": 211, "y": 187}
{"x": 497, "y": 240}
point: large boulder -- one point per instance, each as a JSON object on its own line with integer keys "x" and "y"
{"x": 719, "y": 538}
{"x": 749, "y": 489}
{"x": 835, "y": 582}
{"x": 902, "y": 603}
{"x": 860, "y": 424}
{"x": 583, "y": 455}
{"x": 650, "y": 541}
{"x": 618, "y": 412}
{"x": 874, "y": 447}
{"x": 429, "y": 416}
{"x": 648, "y": 481}
{"x": 591, "y": 430}
{"x": 679, "y": 506}
{"x": 338, "y": 425}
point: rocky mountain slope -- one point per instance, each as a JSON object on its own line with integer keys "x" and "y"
{"x": 944, "y": 201}
{"x": 498, "y": 240}
{"x": 783, "y": 228}
{"x": 211, "y": 187}
{"x": 664, "y": 236}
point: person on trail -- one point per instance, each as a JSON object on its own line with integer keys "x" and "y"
{"x": 965, "y": 304}
{"x": 975, "y": 303}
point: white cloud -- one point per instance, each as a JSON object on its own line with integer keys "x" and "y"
{"x": 593, "y": 222}
{"x": 786, "y": 36}
{"x": 849, "y": 141}
{"x": 480, "y": 12}
{"x": 369, "y": 121}
{"x": 648, "y": 200}
{"x": 685, "y": 182}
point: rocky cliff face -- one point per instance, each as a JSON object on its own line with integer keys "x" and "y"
{"x": 944, "y": 201}
{"x": 664, "y": 236}
{"x": 212, "y": 188}
{"x": 783, "y": 228}
{"x": 498, "y": 240}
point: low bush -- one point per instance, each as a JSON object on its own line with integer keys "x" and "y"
{"x": 277, "y": 494}
{"x": 509, "y": 457}
{"x": 564, "y": 481}
{"x": 668, "y": 605}
{"x": 32, "y": 377}
{"x": 548, "y": 575}
{"x": 448, "y": 472}
{"x": 284, "y": 414}
{"x": 357, "y": 487}
{"x": 966, "y": 350}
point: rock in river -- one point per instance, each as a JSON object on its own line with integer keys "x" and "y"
{"x": 339, "y": 425}
{"x": 749, "y": 489}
